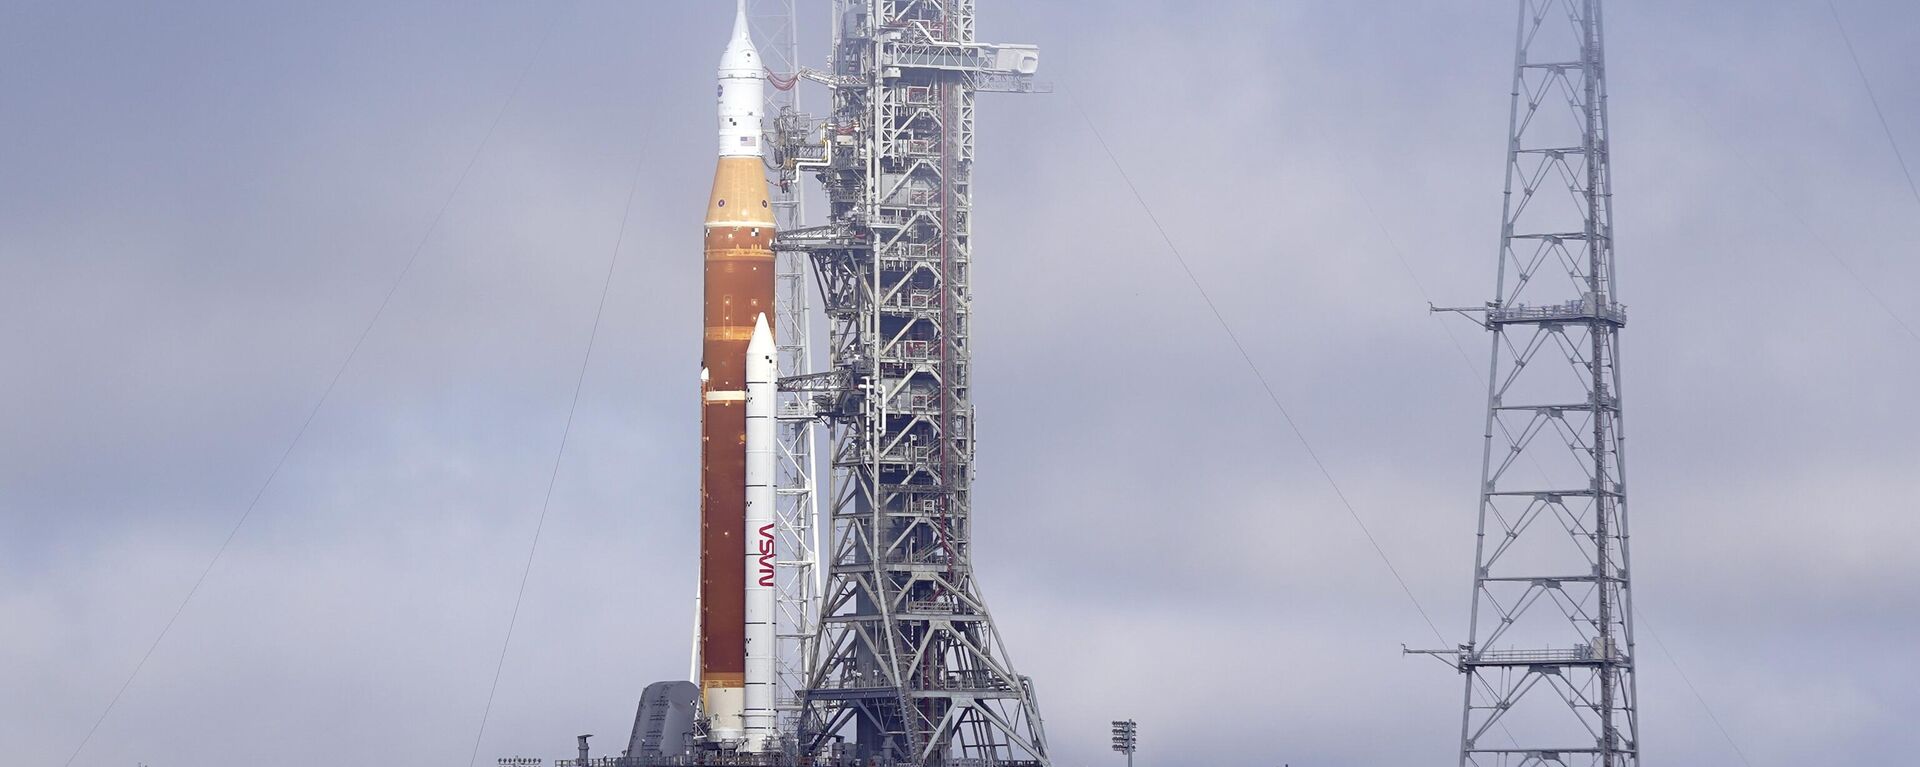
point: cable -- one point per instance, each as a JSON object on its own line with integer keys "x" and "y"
{"x": 1911, "y": 187}
{"x": 1465, "y": 358}
{"x": 325, "y": 395}
{"x": 1247, "y": 357}
{"x": 1640, "y": 617}
{"x": 1393, "y": 245}
{"x": 1818, "y": 240}
{"x": 1690, "y": 688}
{"x": 1875, "y": 99}
{"x": 1766, "y": 183}
{"x": 1473, "y": 371}
{"x": 554, "y": 477}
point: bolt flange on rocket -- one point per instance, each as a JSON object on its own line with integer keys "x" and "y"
{"x": 738, "y": 296}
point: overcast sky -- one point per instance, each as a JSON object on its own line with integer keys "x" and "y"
{"x": 202, "y": 205}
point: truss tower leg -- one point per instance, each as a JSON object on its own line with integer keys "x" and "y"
{"x": 908, "y": 664}
{"x": 1549, "y": 661}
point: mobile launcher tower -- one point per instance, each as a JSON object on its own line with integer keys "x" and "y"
{"x": 884, "y": 652}
{"x": 907, "y": 663}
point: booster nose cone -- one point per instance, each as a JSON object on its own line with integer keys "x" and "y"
{"x": 760, "y": 349}
{"x": 742, "y": 91}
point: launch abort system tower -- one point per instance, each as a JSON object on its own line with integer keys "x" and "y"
{"x": 1549, "y": 663}
{"x": 907, "y": 666}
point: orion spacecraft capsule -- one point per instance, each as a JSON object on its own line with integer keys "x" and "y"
{"x": 738, "y": 294}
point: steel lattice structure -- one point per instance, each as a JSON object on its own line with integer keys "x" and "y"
{"x": 1549, "y": 662}
{"x": 907, "y": 659}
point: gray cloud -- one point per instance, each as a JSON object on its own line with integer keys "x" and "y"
{"x": 205, "y": 204}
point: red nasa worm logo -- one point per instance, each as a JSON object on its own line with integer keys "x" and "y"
{"x": 766, "y": 555}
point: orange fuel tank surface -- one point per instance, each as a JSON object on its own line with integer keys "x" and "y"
{"x": 739, "y": 287}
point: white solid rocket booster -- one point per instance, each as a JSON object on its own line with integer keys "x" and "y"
{"x": 762, "y": 375}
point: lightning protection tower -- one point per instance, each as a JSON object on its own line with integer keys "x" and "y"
{"x": 1549, "y": 661}
{"x": 907, "y": 661}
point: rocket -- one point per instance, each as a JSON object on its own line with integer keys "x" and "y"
{"x": 763, "y": 376}
{"x": 739, "y": 287}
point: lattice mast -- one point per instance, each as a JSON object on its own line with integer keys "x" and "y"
{"x": 1549, "y": 661}
{"x": 908, "y": 663}
{"x": 800, "y": 576}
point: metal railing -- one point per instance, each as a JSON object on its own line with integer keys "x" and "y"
{"x": 1579, "y": 309}
{"x": 1580, "y": 654}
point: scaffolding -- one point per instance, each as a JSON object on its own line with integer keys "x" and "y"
{"x": 907, "y": 663}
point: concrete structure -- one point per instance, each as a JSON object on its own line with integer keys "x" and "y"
{"x": 663, "y": 726}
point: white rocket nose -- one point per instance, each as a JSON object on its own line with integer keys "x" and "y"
{"x": 742, "y": 91}
{"x": 760, "y": 349}
{"x": 741, "y": 59}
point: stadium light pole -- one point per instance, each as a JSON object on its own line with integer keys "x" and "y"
{"x": 1126, "y": 738}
